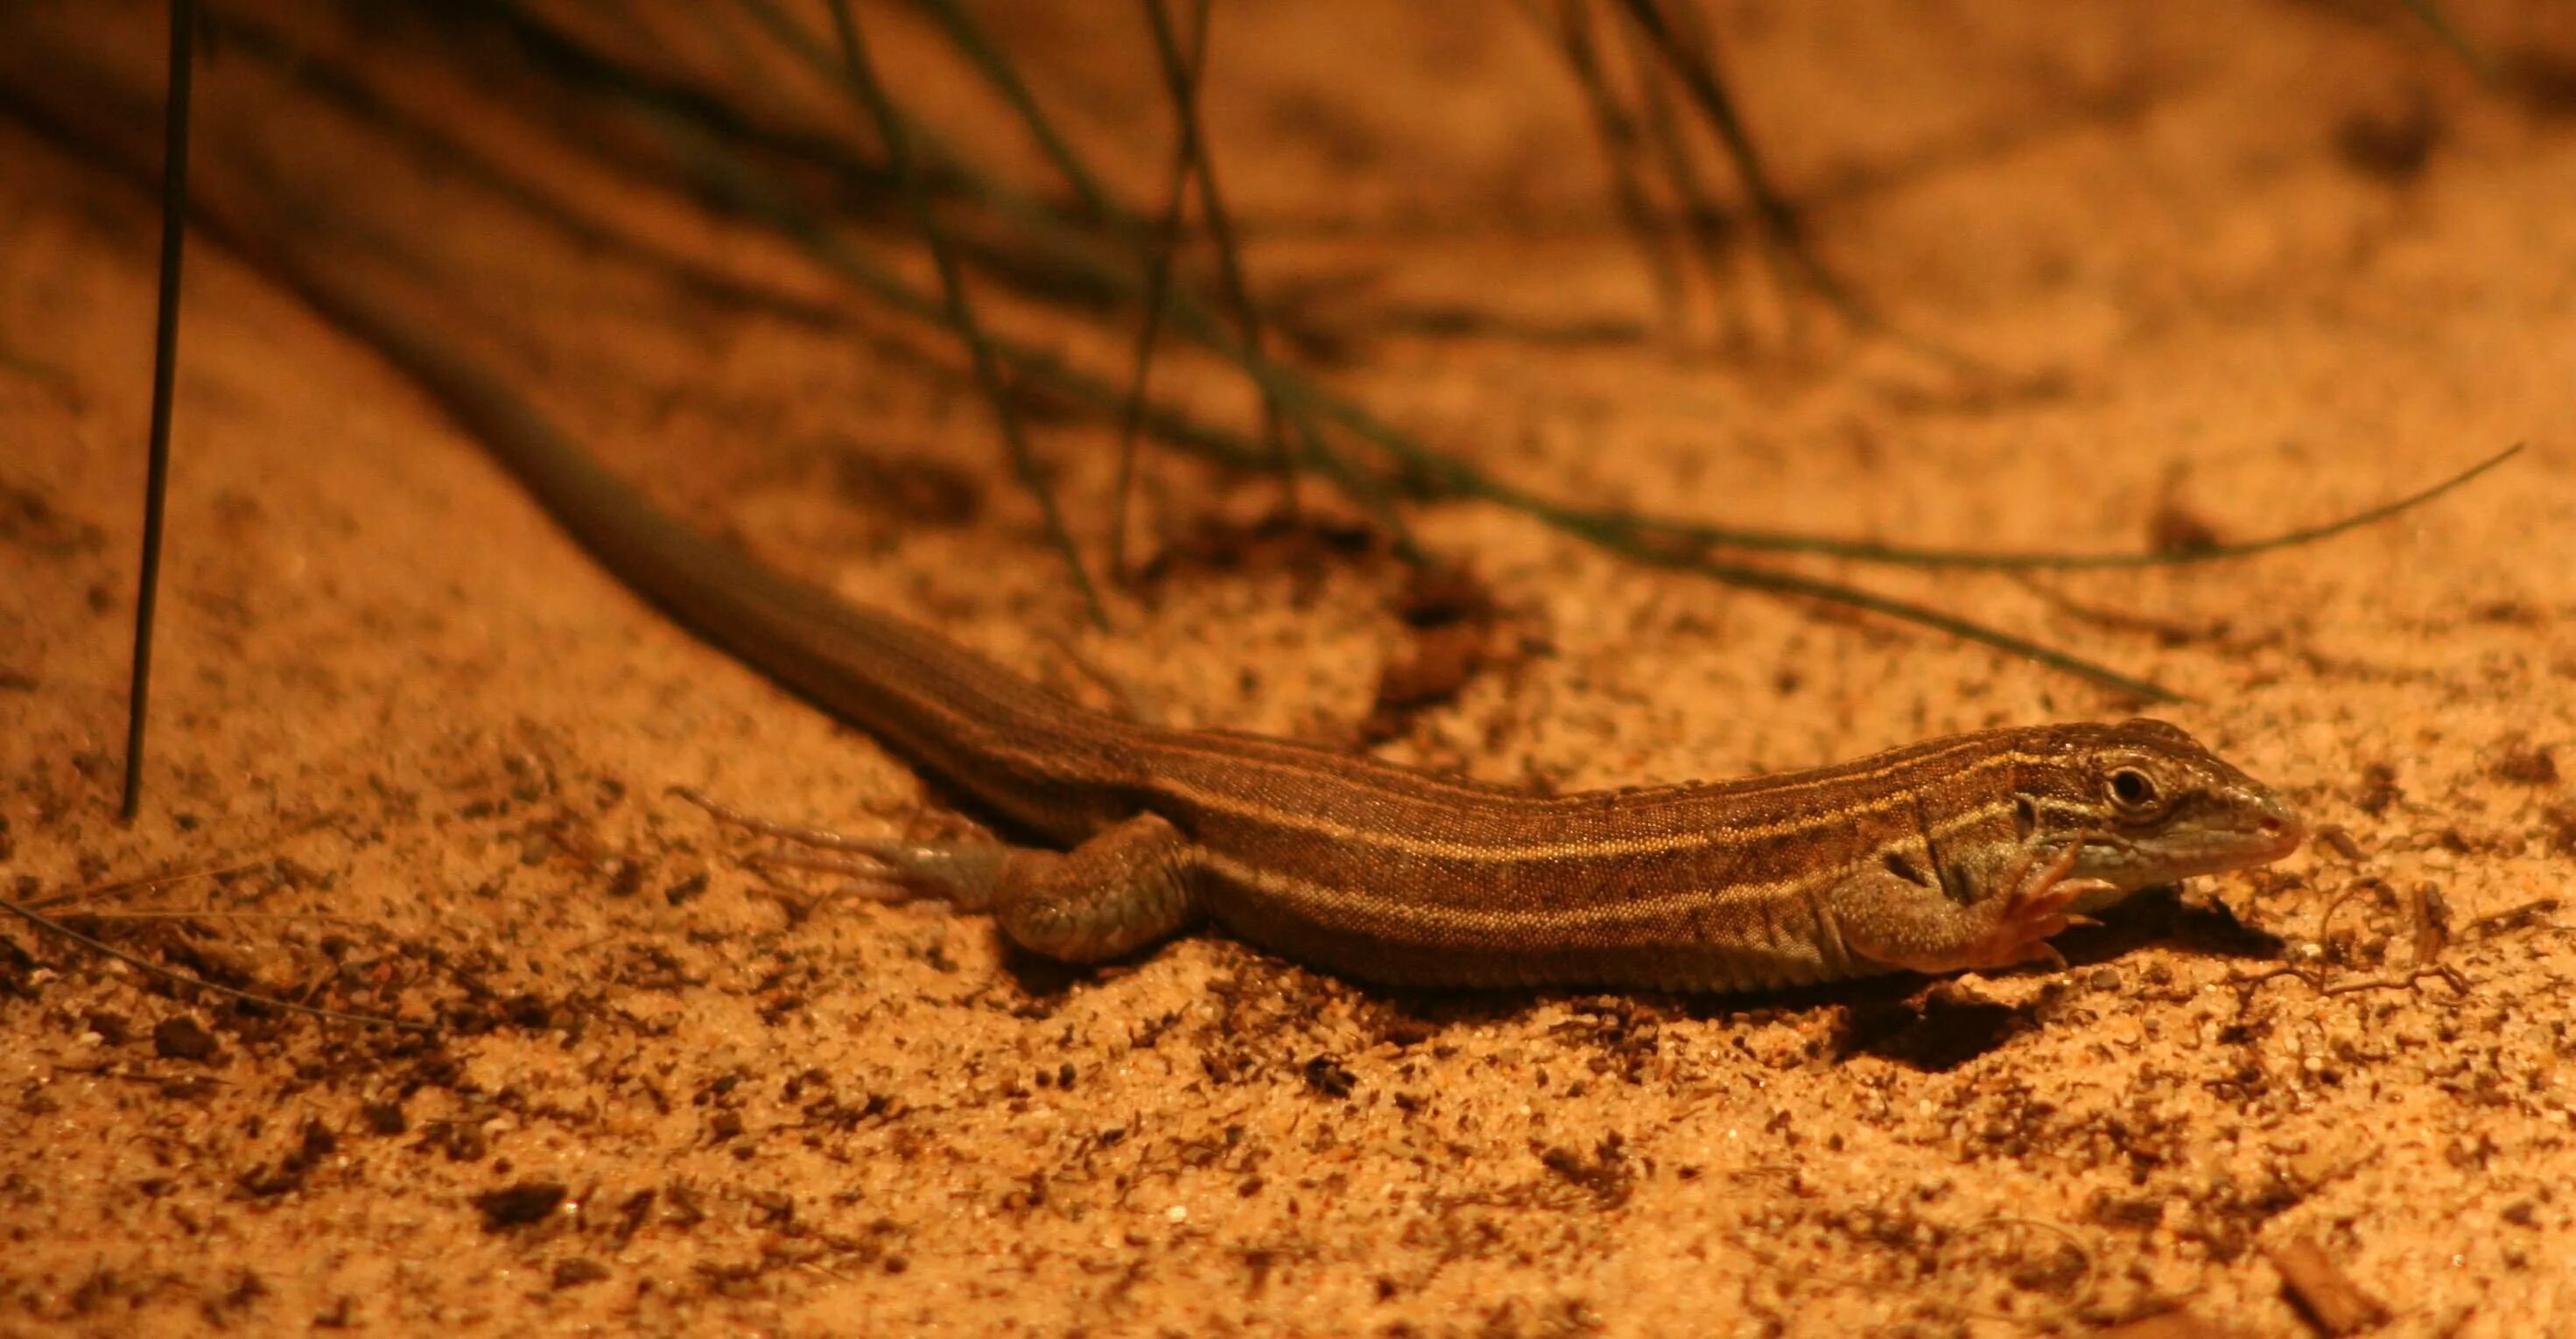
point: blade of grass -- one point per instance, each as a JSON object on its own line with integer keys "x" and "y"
{"x": 1983, "y": 560}
{"x": 1220, "y": 223}
{"x": 1779, "y": 222}
{"x": 857, "y": 184}
{"x": 146, "y": 884}
{"x": 151, "y": 968}
{"x": 1790, "y": 583}
{"x": 2449, "y": 34}
{"x": 165, "y": 370}
{"x": 1159, "y": 259}
{"x": 997, "y": 69}
{"x": 960, "y": 315}
{"x": 1072, "y": 247}
{"x": 725, "y": 185}
{"x": 1621, "y": 146}
{"x": 1687, "y": 50}
{"x": 1451, "y": 477}
{"x": 1626, "y": 542}
{"x": 1709, "y": 226}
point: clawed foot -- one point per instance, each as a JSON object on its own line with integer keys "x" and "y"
{"x": 1124, "y": 886}
{"x": 2031, "y": 910}
{"x": 882, "y": 869}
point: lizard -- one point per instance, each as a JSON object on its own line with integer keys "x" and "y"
{"x": 1965, "y": 852}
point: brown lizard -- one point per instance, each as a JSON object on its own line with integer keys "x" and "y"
{"x": 1963, "y": 852}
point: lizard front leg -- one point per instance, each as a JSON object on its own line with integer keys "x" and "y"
{"x": 1888, "y": 919}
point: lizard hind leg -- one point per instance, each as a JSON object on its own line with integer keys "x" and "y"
{"x": 1121, "y": 889}
{"x": 1124, "y": 887}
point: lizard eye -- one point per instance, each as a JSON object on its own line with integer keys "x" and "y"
{"x": 2131, "y": 789}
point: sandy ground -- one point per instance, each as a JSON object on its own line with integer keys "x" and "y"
{"x": 2236, "y": 267}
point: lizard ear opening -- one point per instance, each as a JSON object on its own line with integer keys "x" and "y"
{"x": 2025, "y": 816}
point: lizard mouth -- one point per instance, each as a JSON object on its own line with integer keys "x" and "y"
{"x": 2269, "y": 831}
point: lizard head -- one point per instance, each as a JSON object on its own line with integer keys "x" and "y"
{"x": 2154, "y": 806}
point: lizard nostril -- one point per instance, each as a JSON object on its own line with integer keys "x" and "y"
{"x": 2280, "y": 823}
